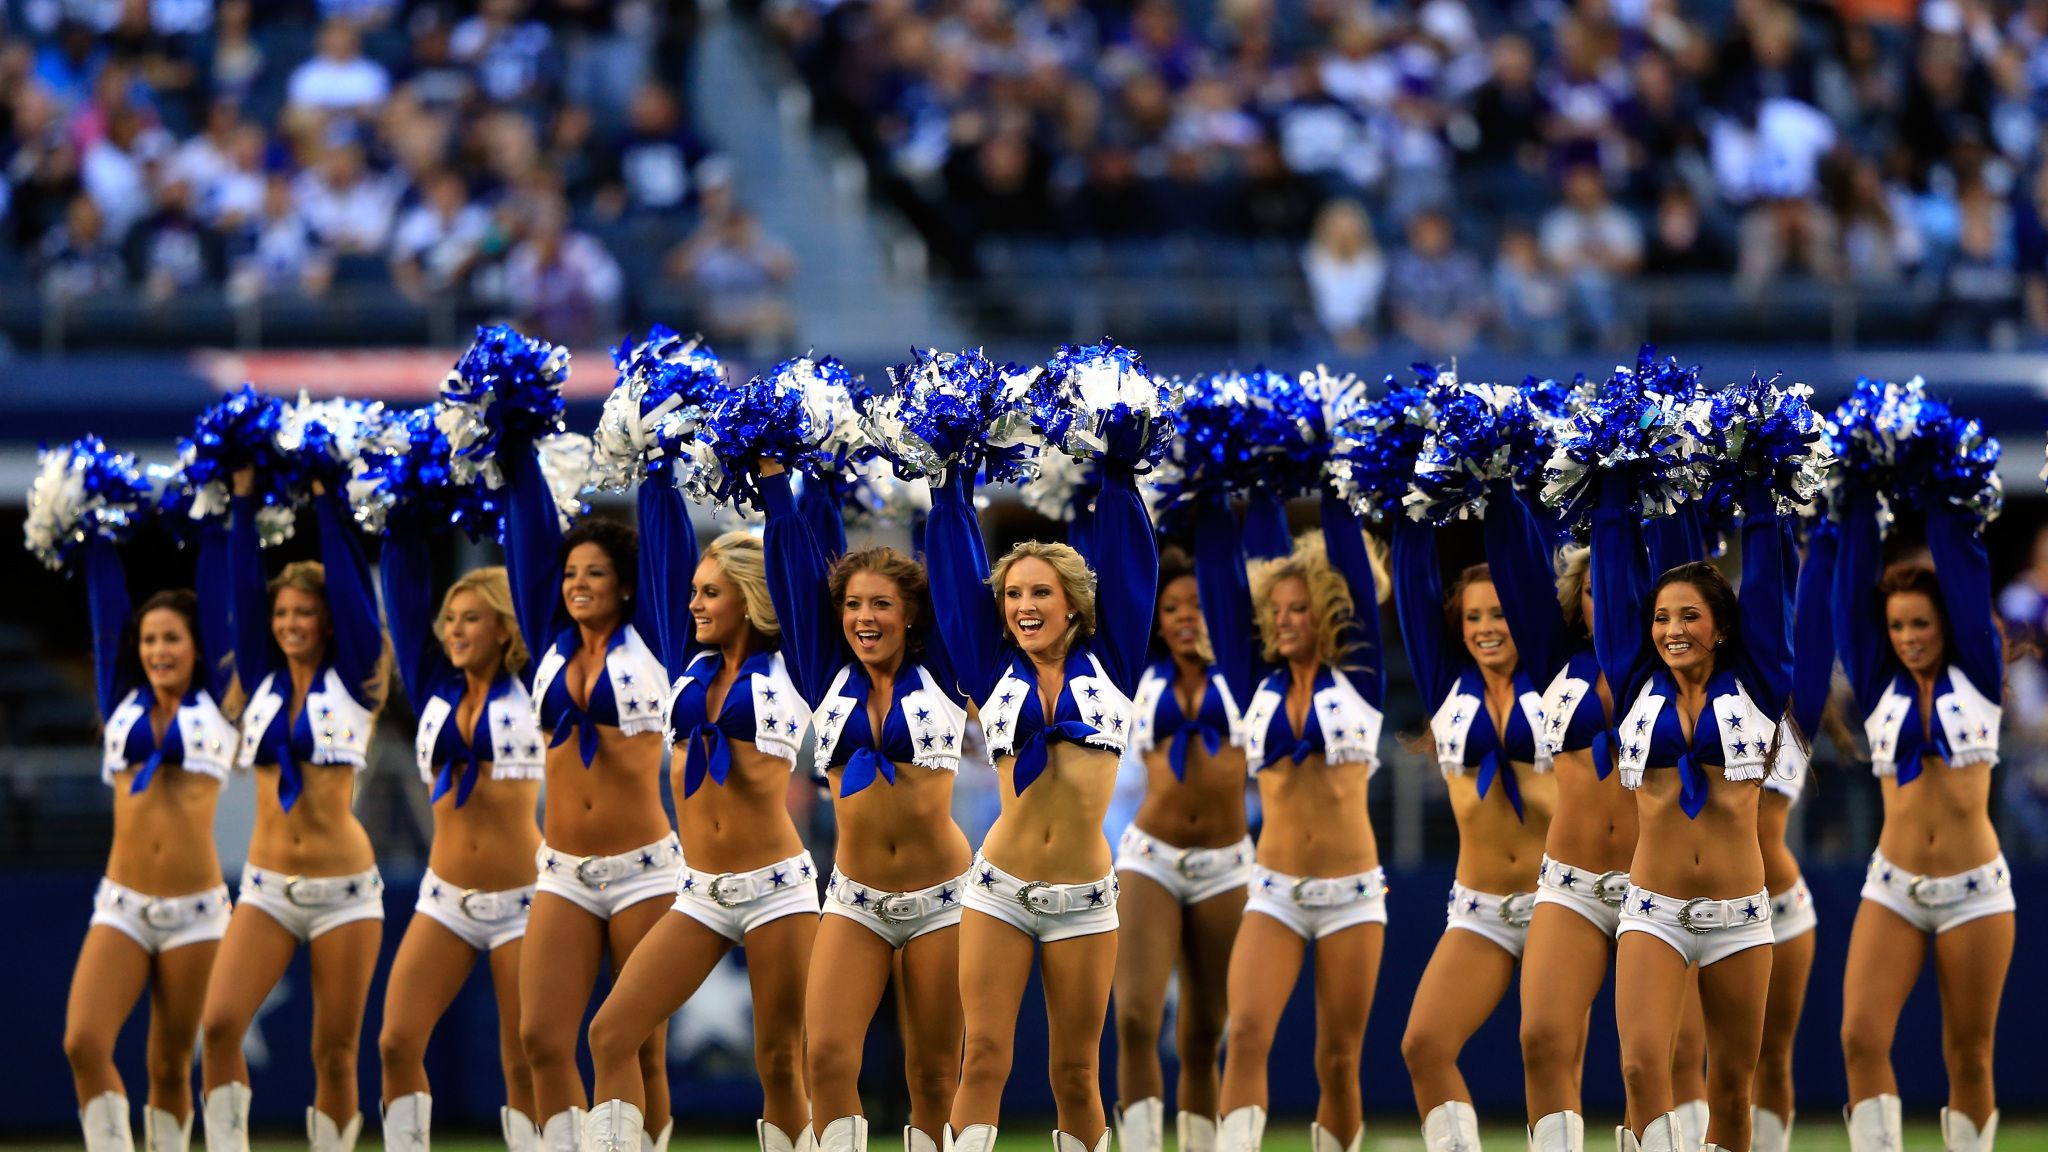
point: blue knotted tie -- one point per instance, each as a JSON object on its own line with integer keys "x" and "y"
{"x": 1032, "y": 755}
{"x": 710, "y": 755}
{"x": 862, "y": 768}
{"x": 444, "y": 779}
{"x": 291, "y": 779}
{"x": 148, "y": 770}
{"x": 1692, "y": 785}
{"x": 1603, "y": 753}
{"x": 1495, "y": 766}
{"x": 1177, "y": 751}
{"x": 577, "y": 720}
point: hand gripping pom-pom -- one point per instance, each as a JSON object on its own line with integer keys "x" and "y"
{"x": 954, "y": 411}
{"x": 1648, "y": 430}
{"x": 799, "y": 413}
{"x": 1761, "y": 431}
{"x": 567, "y": 463}
{"x": 1098, "y": 401}
{"x": 506, "y": 390}
{"x": 1374, "y": 446}
{"x": 240, "y": 430}
{"x": 667, "y": 385}
{"x": 1241, "y": 431}
{"x": 83, "y": 490}
{"x": 319, "y": 440}
{"x": 1063, "y": 489}
{"x": 1480, "y": 435}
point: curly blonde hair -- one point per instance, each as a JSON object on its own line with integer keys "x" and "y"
{"x": 1075, "y": 578}
{"x": 1574, "y": 576}
{"x": 740, "y": 556}
{"x": 494, "y": 588}
{"x": 1329, "y": 598}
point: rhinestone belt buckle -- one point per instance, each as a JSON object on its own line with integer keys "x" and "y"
{"x": 1604, "y": 885}
{"x": 718, "y": 895}
{"x": 1686, "y": 916}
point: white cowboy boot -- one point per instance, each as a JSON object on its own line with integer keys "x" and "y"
{"x": 227, "y": 1118}
{"x": 773, "y": 1139}
{"x": 520, "y": 1134}
{"x": 1875, "y": 1125}
{"x": 1663, "y": 1134}
{"x": 1692, "y": 1125}
{"x": 916, "y": 1141}
{"x": 613, "y": 1126}
{"x": 1958, "y": 1134}
{"x": 1451, "y": 1126}
{"x": 1242, "y": 1130}
{"x": 973, "y": 1138}
{"x": 163, "y": 1132}
{"x": 407, "y": 1121}
{"x": 1197, "y": 1133}
{"x": 1768, "y": 1132}
{"x": 324, "y": 1135}
{"x": 105, "y": 1120}
{"x": 1559, "y": 1132}
{"x": 1625, "y": 1140}
{"x": 1321, "y": 1139}
{"x": 846, "y": 1134}
{"x": 563, "y": 1131}
{"x": 1142, "y": 1126}
{"x": 1062, "y": 1142}
{"x": 661, "y": 1139}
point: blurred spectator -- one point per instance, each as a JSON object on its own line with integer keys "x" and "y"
{"x": 1439, "y": 294}
{"x": 1981, "y": 296}
{"x": 738, "y": 273}
{"x": 236, "y": 59}
{"x": 339, "y": 78}
{"x": 171, "y": 251}
{"x": 432, "y": 74}
{"x": 511, "y": 59}
{"x": 1766, "y": 159}
{"x": 438, "y": 241}
{"x": 115, "y": 170}
{"x": 1346, "y": 274}
{"x": 1684, "y": 239}
{"x": 348, "y": 207}
{"x": 77, "y": 257}
{"x": 276, "y": 253}
{"x": 562, "y": 282}
{"x": 1881, "y": 241}
{"x": 68, "y": 64}
{"x": 661, "y": 159}
{"x": 1273, "y": 201}
{"x": 1530, "y": 299}
{"x": 1593, "y": 245}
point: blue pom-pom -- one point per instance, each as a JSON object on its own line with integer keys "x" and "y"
{"x": 320, "y": 440}
{"x": 239, "y": 430}
{"x": 1764, "y": 432}
{"x": 1097, "y": 401}
{"x": 1374, "y": 446}
{"x": 404, "y": 480}
{"x": 667, "y": 385}
{"x": 789, "y": 414}
{"x": 505, "y": 390}
{"x": 1648, "y": 430}
{"x": 83, "y": 490}
{"x": 1480, "y": 435}
{"x": 1235, "y": 431}
{"x": 954, "y": 410}
{"x": 1910, "y": 448}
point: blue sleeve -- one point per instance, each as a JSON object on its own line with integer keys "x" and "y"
{"x": 405, "y": 568}
{"x": 251, "y": 596}
{"x": 1344, "y": 544}
{"x": 1813, "y": 632}
{"x": 351, "y": 600}
{"x": 106, "y": 597}
{"x": 1126, "y": 578}
{"x": 1224, "y": 587}
{"x": 1081, "y": 537}
{"x": 1765, "y": 638}
{"x": 1673, "y": 540}
{"x": 668, "y": 563}
{"x": 821, "y": 512}
{"x": 811, "y": 644}
{"x": 533, "y": 550}
{"x": 1965, "y": 572}
{"x": 1620, "y": 585}
{"x": 1419, "y": 606}
{"x": 213, "y": 581}
{"x": 1859, "y": 626}
{"x": 958, "y": 565}
{"x": 1519, "y": 558}
{"x": 1265, "y": 528}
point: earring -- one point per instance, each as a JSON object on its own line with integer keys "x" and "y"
{"x": 1073, "y": 615}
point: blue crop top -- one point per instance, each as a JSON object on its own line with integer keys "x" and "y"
{"x": 761, "y": 707}
{"x": 1162, "y": 720}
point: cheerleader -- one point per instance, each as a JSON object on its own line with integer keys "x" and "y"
{"x": 608, "y": 851}
{"x": 1486, "y": 728}
{"x": 862, "y": 648}
{"x": 1706, "y": 688}
{"x": 311, "y": 645}
{"x": 479, "y": 750}
{"x": 161, "y": 910}
{"x": 1053, "y": 658}
{"x": 1931, "y": 700}
{"x": 1186, "y": 857}
{"x": 1311, "y": 737}
{"x": 734, "y": 722}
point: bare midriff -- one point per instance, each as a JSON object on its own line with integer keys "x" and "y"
{"x": 612, "y": 806}
{"x": 1315, "y": 819}
{"x": 489, "y": 843}
{"x": 1053, "y": 832}
{"x": 1715, "y": 855}
{"x": 1940, "y": 823}
{"x": 163, "y": 836}
{"x": 901, "y": 837}
{"x": 1498, "y": 853}
{"x": 1594, "y": 826}
{"x": 742, "y": 824}
{"x": 1206, "y": 810}
{"x": 320, "y": 836}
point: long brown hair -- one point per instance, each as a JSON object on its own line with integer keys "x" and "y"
{"x": 907, "y": 574}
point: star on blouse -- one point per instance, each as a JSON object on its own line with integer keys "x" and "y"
{"x": 1735, "y": 723}
{"x": 1095, "y": 718}
{"x": 1116, "y": 723}
{"x": 999, "y": 725}
{"x": 1091, "y": 692}
{"x": 790, "y": 726}
{"x": 925, "y": 741}
{"x": 946, "y": 739}
{"x": 832, "y": 717}
{"x": 923, "y": 714}
{"x": 626, "y": 678}
{"x": 768, "y": 694}
{"x": 1564, "y": 700}
{"x": 1641, "y": 723}
{"x": 1741, "y": 747}
{"x": 1008, "y": 696}
{"x": 1458, "y": 717}
{"x": 1635, "y": 751}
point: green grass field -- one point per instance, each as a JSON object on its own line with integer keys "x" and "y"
{"x": 1389, "y": 1134}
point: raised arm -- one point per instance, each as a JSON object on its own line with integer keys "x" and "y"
{"x": 1518, "y": 555}
{"x": 821, "y": 512}
{"x": 811, "y": 643}
{"x": 351, "y": 600}
{"x": 1224, "y": 588}
{"x": 213, "y": 581}
{"x": 1765, "y": 638}
{"x": 958, "y": 566}
{"x": 1126, "y": 577}
{"x": 1813, "y": 631}
{"x": 1419, "y": 607}
{"x": 249, "y": 596}
{"x": 533, "y": 549}
{"x": 668, "y": 563}
{"x": 1265, "y": 528}
{"x": 1965, "y": 573}
{"x": 1675, "y": 539}
{"x": 1344, "y": 544}
{"x": 106, "y": 597}
{"x": 1859, "y": 624}
{"x": 406, "y": 570}
{"x": 1620, "y": 585}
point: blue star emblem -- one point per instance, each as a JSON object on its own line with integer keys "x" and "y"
{"x": 200, "y": 907}
{"x": 945, "y": 895}
{"x": 1472, "y": 905}
{"x": 778, "y": 878}
{"x": 1645, "y": 906}
{"x": 1635, "y": 751}
{"x": 647, "y": 859}
{"x": 1116, "y": 723}
{"x": 256, "y": 881}
{"x": 1741, "y": 746}
{"x": 1092, "y": 692}
{"x": 1458, "y": 717}
{"x": 925, "y": 741}
{"x": 923, "y": 714}
{"x": 1008, "y": 696}
{"x": 1568, "y": 879}
{"x": 1641, "y": 724}
{"x": 988, "y": 878}
{"x": 1095, "y": 718}
{"x": 768, "y": 694}
{"x": 1998, "y": 874}
{"x": 354, "y": 888}
{"x": 790, "y": 725}
{"x": 1565, "y": 701}
{"x": 689, "y": 883}
{"x": 1750, "y": 910}
{"x": 999, "y": 725}
{"x": 1359, "y": 886}
{"x": 626, "y": 678}
{"x": 525, "y": 900}
{"x": 532, "y": 749}
{"x": 1955, "y": 708}
{"x": 1095, "y": 895}
{"x": 860, "y": 898}
{"x": 1735, "y": 723}
{"x": 1266, "y": 882}
{"x": 804, "y": 870}
{"x": 832, "y": 716}
{"x": 946, "y": 739}
{"x": 435, "y": 892}
{"x": 1970, "y": 884}
{"x": 552, "y": 864}
{"x": 1887, "y": 875}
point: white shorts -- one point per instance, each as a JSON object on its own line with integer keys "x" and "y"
{"x": 1313, "y": 907}
{"x": 1595, "y": 895}
{"x": 898, "y": 917}
{"x": 1192, "y": 875}
{"x": 604, "y": 885}
{"x": 486, "y": 921}
{"x": 309, "y": 907}
{"x": 1938, "y": 903}
{"x": 161, "y": 923}
{"x": 1501, "y": 919}
{"x": 1701, "y": 930}
{"x": 1792, "y": 914}
{"x": 733, "y": 904}
{"x": 1045, "y": 912}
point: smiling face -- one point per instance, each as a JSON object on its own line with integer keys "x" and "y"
{"x": 168, "y": 650}
{"x": 591, "y": 588}
{"x": 1485, "y": 628}
{"x": 1683, "y": 628}
{"x": 1035, "y": 607}
{"x": 1294, "y": 625}
{"x": 876, "y": 619}
{"x": 718, "y": 610}
{"x": 299, "y": 624}
{"x": 472, "y": 635}
{"x": 1180, "y": 619}
{"x": 1914, "y": 625}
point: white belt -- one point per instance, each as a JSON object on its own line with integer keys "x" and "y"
{"x": 1328, "y": 891}
{"x": 1611, "y": 887}
{"x": 316, "y": 891}
{"x": 893, "y": 907}
{"x": 1514, "y": 909}
{"x": 1941, "y": 891}
{"x": 1700, "y": 915}
{"x": 1191, "y": 863}
{"x": 166, "y": 913}
{"x": 486, "y": 907}
{"x": 598, "y": 871}
{"x": 732, "y": 889}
